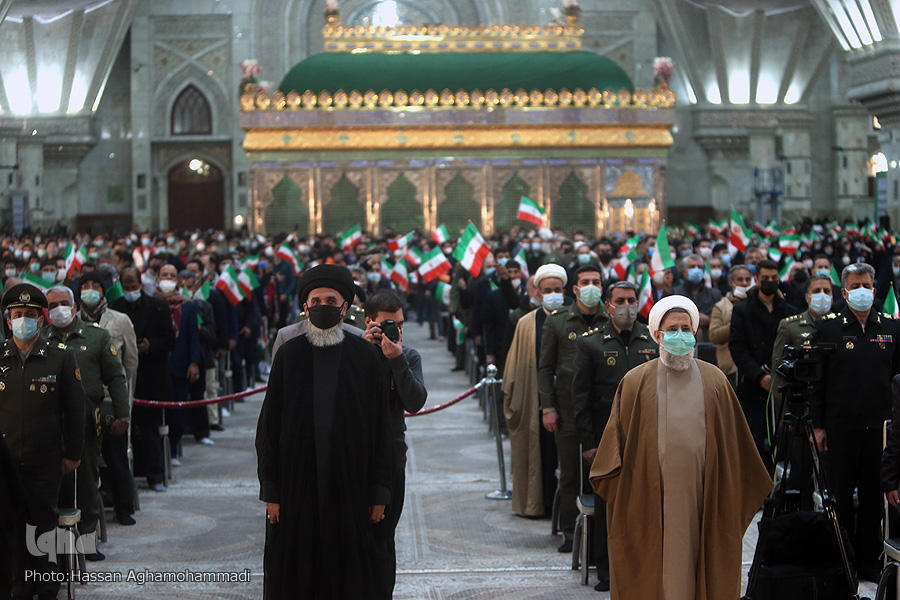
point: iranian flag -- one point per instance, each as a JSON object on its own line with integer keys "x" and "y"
{"x": 386, "y": 268}
{"x": 471, "y": 250}
{"x": 662, "y": 256}
{"x": 247, "y": 280}
{"x": 835, "y": 278}
{"x": 440, "y": 235}
{"x": 250, "y": 261}
{"x": 789, "y": 244}
{"x": 775, "y": 254}
{"x": 114, "y": 292}
{"x": 740, "y": 235}
{"x": 691, "y": 229}
{"x": 833, "y": 227}
{"x": 852, "y": 228}
{"x": 229, "y": 285}
{"x": 401, "y": 241}
{"x": 37, "y": 281}
{"x": 74, "y": 259}
{"x": 287, "y": 253}
{"x": 785, "y": 273}
{"x": 443, "y": 292}
{"x": 645, "y": 295}
{"x": 434, "y": 265}
{"x": 413, "y": 256}
{"x": 890, "y": 304}
{"x": 523, "y": 263}
{"x": 350, "y": 237}
{"x": 531, "y": 212}
{"x": 629, "y": 256}
{"x": 399, "y": 275}
{"x": 203, "y": 292}
{"x": 771, "y": 230}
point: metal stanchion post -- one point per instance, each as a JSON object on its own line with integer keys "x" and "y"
{"x": 493, "y": 386}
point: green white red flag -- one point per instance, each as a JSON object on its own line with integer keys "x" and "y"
{"x": 531, "y": 212}
{"x": 349, "y": 238}
{"x": 645, "y": 295}
{"x": 400, "y": 276}
{"x": 37, "y": 281}
{"x": 740, "y": 235}
{"x": 785, "y": 273}
{"x": 247, "y": 280}
{"x": 523, "y": 263}
{"x": 890, "y": 303}
{"x": 386, "y": 268}
{"x": 400, "y": 241}
{"x": 440, "y": 235}
{"x": 434, "y": 265}
{"x": 74, "y": 259}
{"x": 662, "y": 256}
{"x": 443, "y": 292}
{"x": 413, "y": 256}
{"x": 789, "y": 244}
{"x": 287, "y": 253}
{"x": 228, "y": 284}
{"x": 835, "y": 278}
{"x": 471, "y": 250}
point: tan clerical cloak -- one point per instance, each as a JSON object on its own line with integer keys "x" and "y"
{"x": 521, "y": 407}
{"x": 626, "y": 473}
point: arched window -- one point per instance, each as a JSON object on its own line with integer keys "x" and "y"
{"x": 191, "y": 114}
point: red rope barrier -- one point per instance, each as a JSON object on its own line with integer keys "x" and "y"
{"x": 258, "y": 390}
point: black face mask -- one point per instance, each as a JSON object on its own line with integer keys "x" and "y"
{"x": 768, "y": 287}
{"x": 324, "y": 316}
{"x": 605, "y": 257}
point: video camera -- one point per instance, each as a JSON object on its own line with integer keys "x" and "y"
{"x": 802, "y": 366}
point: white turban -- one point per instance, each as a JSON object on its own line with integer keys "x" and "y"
{"x": 660, "y": 309}
{"x": 550, "y": 270}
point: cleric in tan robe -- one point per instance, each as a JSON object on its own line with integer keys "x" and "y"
{"x": 692, "y": 479}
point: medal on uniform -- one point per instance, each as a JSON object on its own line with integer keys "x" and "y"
{"x": 2, "y": 385}
{"x": 850, "y": 346}
{"x": 43, "y": 388}
{"x": 573, "y": 335}
{"x": 611, "y": 361}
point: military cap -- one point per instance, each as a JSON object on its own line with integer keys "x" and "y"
{"x": 24, "y": 295}
{"x": 336, "y": 277}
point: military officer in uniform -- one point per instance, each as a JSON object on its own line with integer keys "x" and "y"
{"x": 561, "y": 329}
{"x": 849, "y": 407}
{"x": 603, "y": 356}
{"x": 42, "y": 419}
{"x": 100, "y": 366}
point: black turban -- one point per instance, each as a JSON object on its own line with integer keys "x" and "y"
{"x": 336, "y": 277}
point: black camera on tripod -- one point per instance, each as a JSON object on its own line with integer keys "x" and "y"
{"x": 801, "y": 368}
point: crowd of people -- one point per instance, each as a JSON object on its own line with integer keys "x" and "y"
{"x": 185, "y": 316}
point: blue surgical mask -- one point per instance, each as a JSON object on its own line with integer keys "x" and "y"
{"x": 503, "y": 261}
{"x": 132, "y": 296}
{"x": 820, "y": 303}
{"x": 553, "y": 301}
{"x": 91, "y": 298}
{"x": 590, "y": 295}
{"x": 48, "y": 276}
{"x": 752, "y": 268}
{"x": 489, "y": 272}
{"x": 584, "y": 258}
{"x": 536, "y": 247}
{"x": 860, "y": 299}
{"x": 679, "y": 343}
{"x": 695, "y": 275}
{"x": 24, "y": 328}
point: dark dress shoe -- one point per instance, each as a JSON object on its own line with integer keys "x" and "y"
{"x": 602, "y": 586}
{"x": 566, "y": 546}
{"x": 216, "y": 427}
{"x": 125, "y": 519}
{"x": 95, "y": 557}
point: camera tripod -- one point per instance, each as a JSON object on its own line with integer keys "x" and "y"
{"x": 796, "y": 428}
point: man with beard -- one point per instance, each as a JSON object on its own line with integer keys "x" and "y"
{"x": 324, "y": 453}
{"x": 680, "y": 490}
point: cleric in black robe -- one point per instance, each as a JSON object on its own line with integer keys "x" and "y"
{"x": 324, "y": 449}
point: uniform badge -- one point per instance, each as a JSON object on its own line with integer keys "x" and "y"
{"x": 611, "y": 361}
{"x": 77, "y": 373}
{"x": 850, "y": 346}
{"x": 25, "y": 297}
{"x": 2, "y": 385}
{"x": 573, "y": 336}
{"x": 84, "y": 348}
{"x": 43, "y": 388}
{"x": 31, "y": 388}
{"x": 112, "y": 349}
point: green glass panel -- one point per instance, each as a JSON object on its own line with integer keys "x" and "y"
{"x": 574, "y": 210}
{"x": 287, "y": 211}
{"x": 506, "y": 209}
{"x": 400, "y": 211}
{"x": 345, "y": 210}
{"x": 459, "y": 206}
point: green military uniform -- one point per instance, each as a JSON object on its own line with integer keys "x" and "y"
{"x": 355, "y": 316}
{"x": 561, "y": 331}
{"x": 42, "y": 419}
{"x": 603, "y": 356}
{"x": 99, "y": 363}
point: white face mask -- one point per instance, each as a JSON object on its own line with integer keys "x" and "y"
{"x": 741, "y": 291}
{"x": 659, "y": 277}
{"x": 705, "y": 252}
{"x": 62, "y": 316}
{"x": 167, "y": 286}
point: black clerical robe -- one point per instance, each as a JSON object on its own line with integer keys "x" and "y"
{"x": 324, "y": 449}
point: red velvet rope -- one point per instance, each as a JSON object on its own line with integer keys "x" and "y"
{"x": 258, "y": 390}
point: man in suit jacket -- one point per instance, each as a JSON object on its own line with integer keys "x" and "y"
{"x": 155, "y": 334}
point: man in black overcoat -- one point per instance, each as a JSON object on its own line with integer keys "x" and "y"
{"x": 324, "y": 453}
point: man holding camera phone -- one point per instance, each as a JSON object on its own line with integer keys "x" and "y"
{"x": 407, "y": 393}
